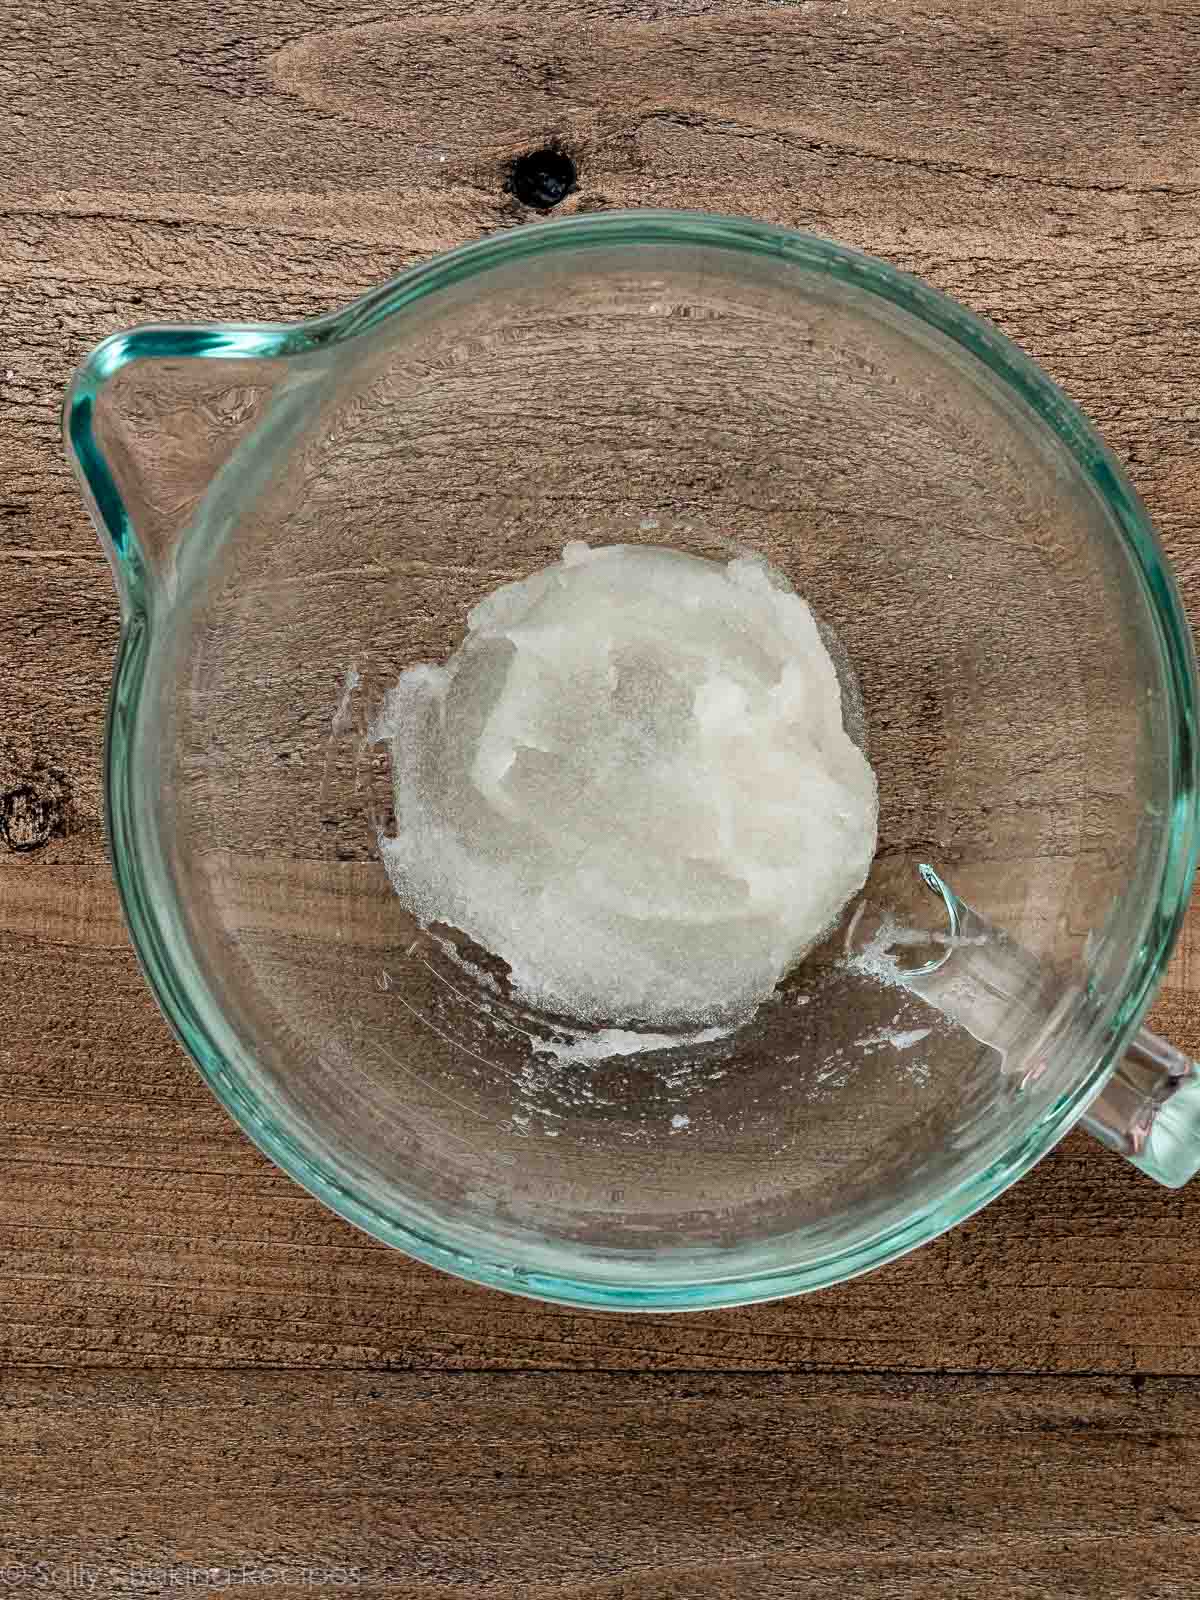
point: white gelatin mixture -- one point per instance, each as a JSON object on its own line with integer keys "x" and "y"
{"x": 633, "y": 784}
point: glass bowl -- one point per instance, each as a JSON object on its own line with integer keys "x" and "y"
{"x": 297, "y": 514}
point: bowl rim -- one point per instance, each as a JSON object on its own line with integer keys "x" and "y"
{"x": 195, "y": 1014}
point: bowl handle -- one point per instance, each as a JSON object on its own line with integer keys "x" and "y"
{"x": 982, "y": 980}
{"x": 1149, "y": 1110}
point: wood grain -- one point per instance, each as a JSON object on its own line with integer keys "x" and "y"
{"x": 272, "y": 160}
{"x": 1052, "y": 180}
{"x": 877, "y": 1488}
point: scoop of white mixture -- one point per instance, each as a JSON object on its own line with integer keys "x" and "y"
{"x": 633, "y": 784}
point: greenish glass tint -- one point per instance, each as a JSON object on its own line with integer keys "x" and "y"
{"x": 318, "y": 371}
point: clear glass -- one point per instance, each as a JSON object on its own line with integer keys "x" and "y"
{"x": 296, "y": 514}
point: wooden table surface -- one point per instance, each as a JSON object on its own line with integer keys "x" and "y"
{"x": 203, "y": 1368}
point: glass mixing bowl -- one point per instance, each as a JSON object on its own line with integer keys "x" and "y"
{"x": 296, "y": 514}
